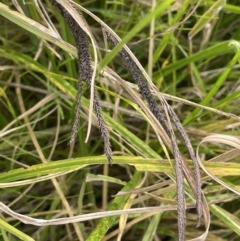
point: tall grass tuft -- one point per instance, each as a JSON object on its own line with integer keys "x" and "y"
{"x": 151, "y": 87}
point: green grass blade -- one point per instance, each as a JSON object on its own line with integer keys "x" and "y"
{"x": 167, "y": 37}
{"x": 206, "y": 17}
{"x": 151, "y": 229}
{"x": 222, "y": 78}
{"x": 140, "y": 163}
{"x": 117, "y": 203}
{"x": 209, "y": 53}
{"x": 229, "y": 219}
{"x": 14, "y": 231}
{"x": 161, "y": 6}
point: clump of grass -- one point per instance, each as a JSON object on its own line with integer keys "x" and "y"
{"x": 39, "y": 84}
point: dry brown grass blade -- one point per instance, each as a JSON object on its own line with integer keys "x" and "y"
{"x": 221, "y": 139}
{"x": 84, "y": 217}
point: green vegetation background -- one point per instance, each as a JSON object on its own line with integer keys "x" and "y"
{"x": 37, "y": 93}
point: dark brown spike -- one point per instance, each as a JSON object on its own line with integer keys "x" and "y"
{"x": 146, "y": 93}
{"x": 85, "y": 74}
